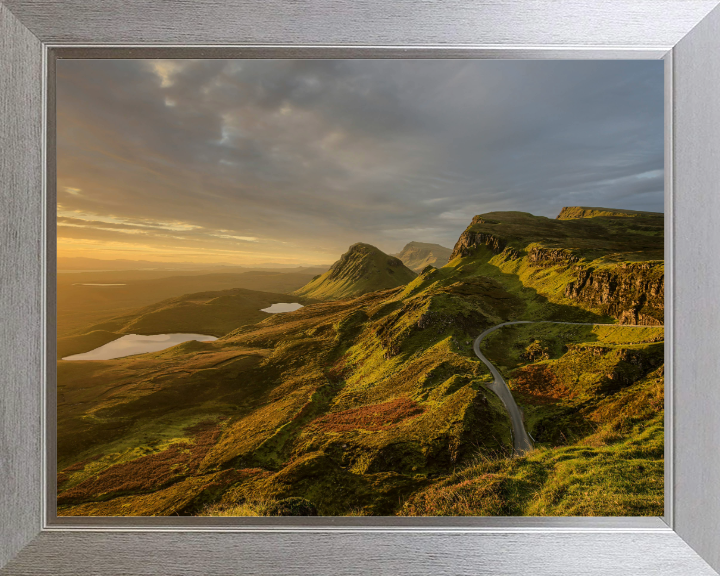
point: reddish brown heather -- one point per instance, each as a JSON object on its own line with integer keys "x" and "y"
{"x": 338, "y": 371}
{"x": 148, "y": 472}
{"x": 206, "y": 436}
{"x": 372, "y": 418}
{"x": 64, "y": 475}
{"x": 187, "y": 496}
{"x": 540, "y": 382}
{"x": 80, "y": 465}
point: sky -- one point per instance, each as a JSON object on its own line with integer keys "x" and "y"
{"x": 289, "y": 162}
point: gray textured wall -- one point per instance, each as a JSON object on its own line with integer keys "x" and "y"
{"x": 20, "y": 280}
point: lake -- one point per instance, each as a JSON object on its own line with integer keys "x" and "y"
{"x": 282, "y": 307}
{"x": 136, "y": 344}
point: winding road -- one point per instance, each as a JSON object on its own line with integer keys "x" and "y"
{"x": 522, "y": 442}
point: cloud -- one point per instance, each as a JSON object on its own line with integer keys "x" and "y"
{"x": 316, "y": 155}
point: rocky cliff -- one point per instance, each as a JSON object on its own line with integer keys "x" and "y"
{"x": 470, "y": 240}
{"x": 632, "y": 293}
{"x": 546, "y": 257}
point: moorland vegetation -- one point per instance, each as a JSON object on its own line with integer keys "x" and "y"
{"x": 370, "y": 399}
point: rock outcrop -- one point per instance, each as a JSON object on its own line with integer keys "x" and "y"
{"x": 469, "y": 241}
{"x": 546, "y": 257}
{"x": 632, "y": 293}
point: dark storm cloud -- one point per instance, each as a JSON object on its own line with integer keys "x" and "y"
{"x": 310, "y": 156}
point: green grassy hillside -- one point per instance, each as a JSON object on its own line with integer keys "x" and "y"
{"x": 308, "y": 403}
{"x": 362, "y": 269}
{"x": 376, "y": 404}
{"x": 593, "y": 403}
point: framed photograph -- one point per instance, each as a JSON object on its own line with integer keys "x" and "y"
{"x": 357, "y": 290}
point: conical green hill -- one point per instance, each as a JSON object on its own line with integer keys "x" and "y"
{"x": 362, "y": 269}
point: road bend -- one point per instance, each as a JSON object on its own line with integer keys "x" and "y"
{"x": 522, "y": 443}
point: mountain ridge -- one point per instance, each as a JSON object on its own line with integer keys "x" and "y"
{"x": 574, "y": 212}
{"x": 606, "y": 263}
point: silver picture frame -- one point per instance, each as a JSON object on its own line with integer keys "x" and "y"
{"x": 685, "y": 33}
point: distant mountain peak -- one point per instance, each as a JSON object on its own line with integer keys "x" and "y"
{"x": 418, "y": 255}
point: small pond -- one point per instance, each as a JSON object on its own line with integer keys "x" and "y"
{"x": 282, "y": 307}
{"x": 136, "y": 344}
